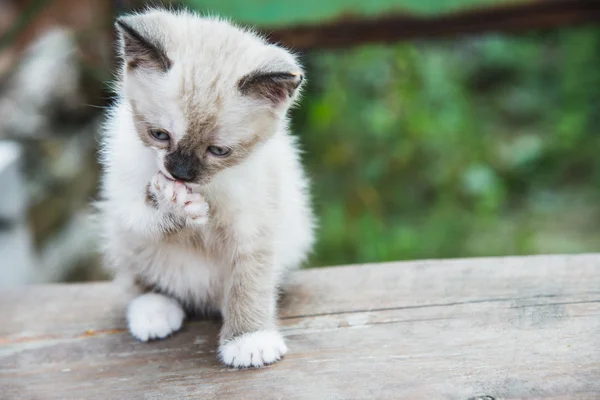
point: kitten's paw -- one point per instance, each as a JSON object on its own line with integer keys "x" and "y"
{"x": 154, "y": 316}
{"x": 179, "y": 197}
{"x": 253, "y": 349}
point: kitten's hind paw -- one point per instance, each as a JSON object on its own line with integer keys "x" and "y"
{"x": 154, "y": 316}
{"x": 254, "y": 349}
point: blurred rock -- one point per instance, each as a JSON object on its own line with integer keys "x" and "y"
{"x": 46, "y": 81}
{"x": 91, "y": 20}
{"x": 16, "y": 249}
{"x": 58, "y": 67}
{"x": 12, "y": 202}
{"x": 19, "y": 263}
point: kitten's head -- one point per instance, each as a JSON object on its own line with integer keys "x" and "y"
{"x": 203, "y": 93}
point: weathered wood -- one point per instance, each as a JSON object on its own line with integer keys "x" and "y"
{"x": 317, "y": 24}
{"x": 506, "y": 327}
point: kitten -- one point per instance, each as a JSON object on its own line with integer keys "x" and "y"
{"x": 204, "y": 204}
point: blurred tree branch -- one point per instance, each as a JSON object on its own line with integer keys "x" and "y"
{"x": 21, "y": 23}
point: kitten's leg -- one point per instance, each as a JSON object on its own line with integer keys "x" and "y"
{"x": 154, "y": 316}
{"x": 169, "y": 207}
{"x": 150, "y": 315}
{"x": 249, "y": 336}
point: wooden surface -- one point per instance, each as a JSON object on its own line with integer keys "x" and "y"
{"x": 507, "y": 328}
{"x": 311, "y": 24}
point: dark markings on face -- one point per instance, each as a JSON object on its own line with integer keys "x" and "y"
{"x": 140, "y": 51}
{"x": 143, "y": 129}
{"x": 151, "y": 199}
{"x": 200, "y": 132}
{"x": 183, "y": 165}
{"x": 273, "y": 86}
{"x": 240, "y": 152}
{"x": 209, "y": 165}
{"x": 197, "y": 142}
{"x": 189, "y": 161}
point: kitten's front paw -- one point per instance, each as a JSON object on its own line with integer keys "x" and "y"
{"x": 253, "y": 349}
{"x": 179, "y": 197}
{"x": 154, "y": 316}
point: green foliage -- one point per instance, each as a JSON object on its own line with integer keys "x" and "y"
{"x": 484, "y": 146}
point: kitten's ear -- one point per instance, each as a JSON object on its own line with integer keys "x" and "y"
{"x": 276, "y": 87}
{"x": 138, "y": 49}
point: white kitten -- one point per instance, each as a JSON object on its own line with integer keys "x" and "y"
{"x": 204, "y": 200}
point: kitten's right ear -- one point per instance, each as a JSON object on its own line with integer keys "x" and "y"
{"x": 139, "y": 50}
{"x": 276, "y": 87}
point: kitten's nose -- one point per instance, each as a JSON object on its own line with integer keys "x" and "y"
{"x": 181, "y": 173}
{"x": 182, "y": 166}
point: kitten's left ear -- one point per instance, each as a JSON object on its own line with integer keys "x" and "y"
{"x": 277, "y": 87}
{"x": 139, "y": 48}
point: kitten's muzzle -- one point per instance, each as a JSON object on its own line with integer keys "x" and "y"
{"x": 182, "y": 166}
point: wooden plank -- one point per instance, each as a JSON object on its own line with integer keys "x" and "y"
{"x": 506, "y": 327}
{"x": 317, "y": 24}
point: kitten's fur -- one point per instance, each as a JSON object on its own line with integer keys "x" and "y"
{"x": 221, "y": 241}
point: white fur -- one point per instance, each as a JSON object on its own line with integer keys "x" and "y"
{"x": 154, "y": 316}
{"x": 263, "y": 202}
{"x": 254, "y": 349}
{"x": 131, "y": 237}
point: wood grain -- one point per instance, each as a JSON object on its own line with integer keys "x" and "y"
{"x": 456, "y": 329}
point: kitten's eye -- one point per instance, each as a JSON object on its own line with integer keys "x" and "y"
{"x": 160, "y": 135}
{"x": 219, "y": 151}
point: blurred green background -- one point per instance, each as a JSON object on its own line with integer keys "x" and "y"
{"x": 481, "y": 146}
